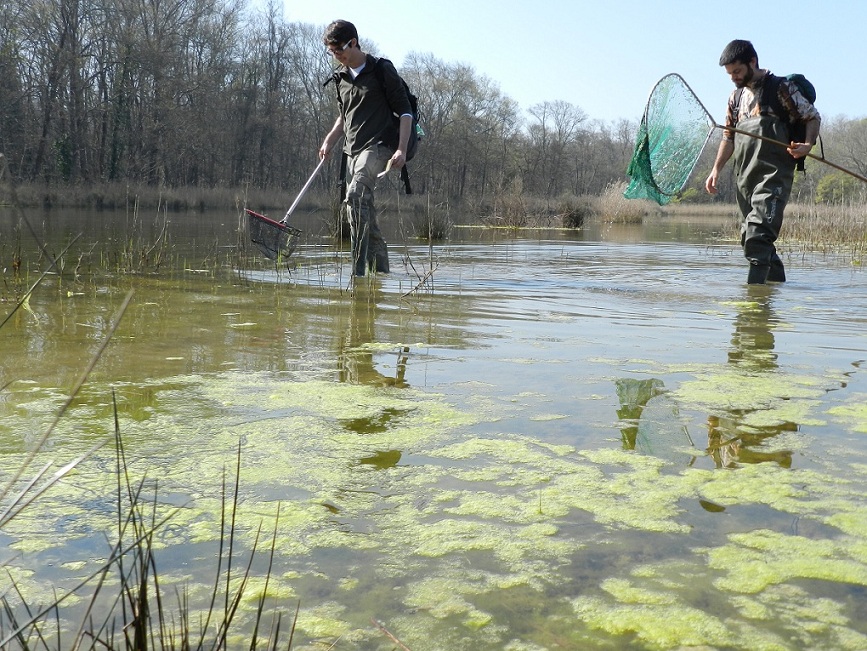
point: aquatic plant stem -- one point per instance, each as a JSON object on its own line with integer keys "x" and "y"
{"x": 389, "y": 635}
{"x": 27, "y": 294}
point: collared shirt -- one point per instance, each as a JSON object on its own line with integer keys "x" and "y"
{"x": 744, "y": 103}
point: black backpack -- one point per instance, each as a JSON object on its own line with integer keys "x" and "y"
{"x": 414, "y": 133}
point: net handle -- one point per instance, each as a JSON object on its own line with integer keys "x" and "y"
{"x": 810, "y": 155}
{"x": 303, "y": 190}
{"x": 764, "y": 138}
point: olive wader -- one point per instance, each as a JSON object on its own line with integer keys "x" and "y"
{"x": 369, "y": 249}
{"x": 765, "y": 172}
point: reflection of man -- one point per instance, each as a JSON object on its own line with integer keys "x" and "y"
{"x": 753, "y": 338}
{"x": 730, "y": 442}
{"x": 355, "y": 354}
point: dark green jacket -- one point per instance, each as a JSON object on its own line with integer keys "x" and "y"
{"x": 368, "y": 108}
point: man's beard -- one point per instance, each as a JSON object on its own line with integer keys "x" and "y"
{"x": 748, "y": 77}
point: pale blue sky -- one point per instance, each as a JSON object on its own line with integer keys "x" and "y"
{"x": 606, "y": 56}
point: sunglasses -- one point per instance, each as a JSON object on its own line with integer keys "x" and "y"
{"x": 334, "y": 51}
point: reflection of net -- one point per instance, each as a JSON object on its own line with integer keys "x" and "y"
{"x": 673, "y": 131}
{"x": 274, "y": 239}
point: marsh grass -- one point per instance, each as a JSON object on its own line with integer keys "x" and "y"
{"x": 507, "y": 209}
{"x": 116, "y": 196}
{"x": 612, "y": 207}
{"x": 839, "y": 229}
{"x": 513, "y": 210}
{"x": 139, "y": 252}
{"x": 10, "y": 254}
{"x": 574, "y": 211}
{"x": 423, "y": 219}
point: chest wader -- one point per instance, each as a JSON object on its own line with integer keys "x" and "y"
{"x": 369, "y": 249}
{"x": 765, "y": 172}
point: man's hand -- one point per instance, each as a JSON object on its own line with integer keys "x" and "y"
{"x": 398, "y": 159}
{"x": 710, "y": 183}
{"x": 799, "y": 149}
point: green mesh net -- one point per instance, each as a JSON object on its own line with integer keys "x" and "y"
{"x": 673, "y": 132}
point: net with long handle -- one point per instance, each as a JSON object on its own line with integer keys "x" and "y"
{"x": 673, "y": 132}
{"x": 276, "y": 240}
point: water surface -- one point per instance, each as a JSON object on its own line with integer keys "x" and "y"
{"x": 561, "y": 440}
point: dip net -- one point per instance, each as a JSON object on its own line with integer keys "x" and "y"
{"x": 276, "y": 240}
{"x": 673, "y": 132}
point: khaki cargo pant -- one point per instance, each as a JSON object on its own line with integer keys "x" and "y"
{"x": 369, "y": 249}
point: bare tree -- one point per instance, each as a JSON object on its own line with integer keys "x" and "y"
{"x": 553, "y": 137}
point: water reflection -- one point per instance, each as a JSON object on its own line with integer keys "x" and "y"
{"x": 730, "y": 441}
{"x": 651, "y": 421}
{"x": 753, "y": 340}
{"x": 358, "y": 344}
{"x": 382, "y": 459}
{"x": 355, "y": 362}
{"x": 633, "y": 396}
{"x": 652, "y": 424}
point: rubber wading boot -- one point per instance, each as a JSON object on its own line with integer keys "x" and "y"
{"x": 758, "y": 274}
{"x": 777, "y": 273}
{"x": 360, "y": 258}
{"x": 380, "y": 263}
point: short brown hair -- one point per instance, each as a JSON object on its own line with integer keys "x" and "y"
{"x": 738, "y": 51}
{"x": 340, "y": 32}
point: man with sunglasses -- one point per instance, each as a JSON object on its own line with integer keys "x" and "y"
{"x": 367, "y": 104}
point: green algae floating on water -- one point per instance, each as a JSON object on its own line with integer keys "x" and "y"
{"x": 657, "y": 626}
{"x": 673, "y": 605}
{"x": 752, "y": 561}
{"x": 853, "y": 413}
{"x": 452, "y": 501}
{"x": 728, "y": 388}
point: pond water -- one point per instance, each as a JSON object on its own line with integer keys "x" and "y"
{"x": 584, "y": 439}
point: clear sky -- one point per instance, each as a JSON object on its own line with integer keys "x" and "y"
{"x": 605, "y": 56}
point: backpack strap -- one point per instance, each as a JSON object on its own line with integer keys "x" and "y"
{"x": 404, "y": 176}
{"x": 738, "y": 95}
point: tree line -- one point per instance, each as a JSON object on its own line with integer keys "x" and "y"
{"x": 209, "y": 93}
